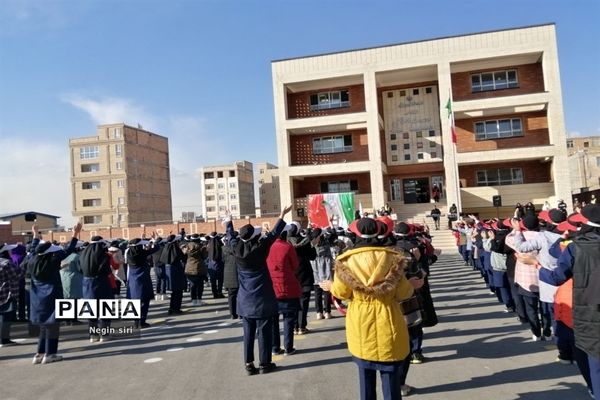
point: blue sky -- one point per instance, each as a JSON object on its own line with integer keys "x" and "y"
{"x": 199, "y": 72}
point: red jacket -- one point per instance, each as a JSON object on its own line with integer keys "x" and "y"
{"x": 283, "y": 263}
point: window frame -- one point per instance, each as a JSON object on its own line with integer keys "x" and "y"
{"x": 489, "y": 87}
{"x": 329, "y": 100}
{"x": 484, "y": 135}
{"x": 516, "y": 177}
{"x": 92, "y": 185}
{"x": 89, "y": 152}
{"x": 92, "y": 170}
{"x": 319, "y": 148}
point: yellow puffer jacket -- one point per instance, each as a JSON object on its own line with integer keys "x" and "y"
{"x": 373, "y": 280}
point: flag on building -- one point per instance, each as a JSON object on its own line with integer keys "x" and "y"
{"x": 339, "y": 207}
{"x": 451, "y": 118}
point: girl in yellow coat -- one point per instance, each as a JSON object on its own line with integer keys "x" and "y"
{"x": 372, "y": 279}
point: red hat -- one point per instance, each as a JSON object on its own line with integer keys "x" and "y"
{"x": 566, "y": 226}
{"x": 365, "y": 228}
{"x": 544, "y": 216}
{"x": 590, "y": 215}
{"x": 389, "y": 224}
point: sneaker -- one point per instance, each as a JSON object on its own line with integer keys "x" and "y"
{"x": 507, "y": 310}
{"x": 563, "y": 360}
{"x": 251, "y": 369}
{"x": 50, "y": 358}
{"x": 7, "y": 343}
{"x": 327, "y": 315}
{"x": 289, "y": 352}
{"x": 547, "y": 338}
{"x": 104, "y": 339}
{"x": 536, "y": 338}
{"x": 303, "y": 331}
{"x": 94, "y": 339}
{"x": 37, "y": 359}
{"x": 417, "y": 358}
{"x": 276, "y": 352}
{"x": 319, "y": 315}
{"x": 265, "y": 369}
{"x": 296, "y": 331}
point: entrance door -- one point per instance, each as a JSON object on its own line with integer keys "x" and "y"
{"x": 439, "y": 181}
{"x": 395, "y": 189}
{"x": 416, "y": 190}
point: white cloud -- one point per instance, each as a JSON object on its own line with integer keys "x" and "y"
{"x": 111, "y": 110}
{"x": 35, "y": 177}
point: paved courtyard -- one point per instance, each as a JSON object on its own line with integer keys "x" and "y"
{"x": 475, "y": 352}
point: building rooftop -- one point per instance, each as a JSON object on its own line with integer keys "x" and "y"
{"x": 412, "y": 42}
{"x": 17, "y": 214}
{"x": 123, "y": 125}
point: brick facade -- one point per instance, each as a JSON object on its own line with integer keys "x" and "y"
{"x": 535, "y": 133}
{"x": 533, "y": 171}
{"x": 298, "y": 104}
{"x": 529, "y": 76}
{"x": 301, "y": 149}
{"x": 312, "y": 185}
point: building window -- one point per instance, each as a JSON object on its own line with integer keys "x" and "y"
{"x": 90, "y": 167}
{"x": 261, "y": 181}
{"x": 119, "y": 150}
{"x": 327, "y": 100}
{"x": 209, "y": 187}
{"x": 394, "y": 147}
{"x": 419, "y": 156}
{"x": 402, "y": 93}
{"x": 428, "y": 90}
{"x": 586, "y": 144}
{"x": 233, "y": 196}
{"x": 234, "y": 207}
{"x": 405, "y": 135}
{"x": 494, "y": 80}
{"x": 121, "y": 200}
{"x": 261, "y": 171}
{"x": 89, "y": 152}
{"x": 407, "y": 157}
{"x": 209, "y": 175}
{"x": 394, "y": 158}
{"x": 219, "y": 174}
{"x": 597, "y": 161}
{"x": 393, "y": 136}
{"x": 210, "y": 198}
{"x": 339, "y": 186}
{"x": 419, "y": 145}
{"x": 210, "y": 209}
{"x": 92, "y": 202}
{"x": 500, "y": 177}
{"x": 415, "y": 92}
{"x": 221, "y": 197}
{"x": 431, "y": 133}
{"x": 232, "y": 174}
{"x": 120, "y": 183}
{"x": 221, "y": 186}
{"x": 569, "y": 144}
{"x": 222, "y": 208}
{"x": 90, "y": 185}
{"x": 117, "y": 133}
{"x": 119, "y": 165}
{"x": 432, "y": 144}
{"x": 419, "y": 134}
{"x": 332, "y": 144}
{"x": 390, "y": 95}
{"x": 231, "y": 185}
{"x": 496, "y": 129}
{"x": 433, "y": 154}
{"x": 406, "y": 146}
{"x": 92, "y": 219}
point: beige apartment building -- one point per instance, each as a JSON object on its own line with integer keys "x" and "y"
{"x": 268, "y": 189}
{"x": 227, "y": 187}
{"x": 584, "y": 163}
{"x": 375, "y": 122}
{"x": 120, "y": 177}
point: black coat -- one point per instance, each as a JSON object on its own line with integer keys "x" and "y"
{"x": 230, "y": 271}
{"x": 306, "y": 253}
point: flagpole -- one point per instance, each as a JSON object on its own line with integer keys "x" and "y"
{"x": 454, "y": 151}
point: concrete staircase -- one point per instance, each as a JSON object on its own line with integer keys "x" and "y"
{"x": 418, "y": 214}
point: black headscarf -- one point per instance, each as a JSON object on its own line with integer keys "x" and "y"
{"x": 215, "y": 251}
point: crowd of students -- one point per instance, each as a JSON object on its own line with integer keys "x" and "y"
{"x": 378, "y": 267}
{"x": 543, "y": 266}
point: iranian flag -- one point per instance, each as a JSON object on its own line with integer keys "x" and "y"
{"x": 337, "y": 206}
{"x": 451, "y": 118}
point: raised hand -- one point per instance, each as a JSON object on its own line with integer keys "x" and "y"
{"x": 286, "y": 210}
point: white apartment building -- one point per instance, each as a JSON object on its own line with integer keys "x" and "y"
{"x": 227, "y": 187}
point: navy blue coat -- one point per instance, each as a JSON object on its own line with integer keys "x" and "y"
{"x": 139, "y": 282}
{"x": 176, "y": 275}
{"x": 256, "y": 297}
{"x": 97, "y": 288}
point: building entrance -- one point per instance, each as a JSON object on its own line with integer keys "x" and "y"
{"x": 416, "y": 190}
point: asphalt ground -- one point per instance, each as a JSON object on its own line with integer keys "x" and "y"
{"x": 475, "y": 352}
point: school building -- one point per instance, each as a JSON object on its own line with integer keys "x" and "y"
{"x": 376, "y": 122}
